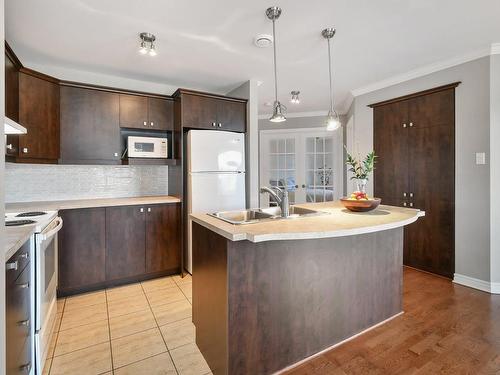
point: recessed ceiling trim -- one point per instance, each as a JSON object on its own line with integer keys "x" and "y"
{"x": 297, "y": 114}
{"x": 428, "y": 69}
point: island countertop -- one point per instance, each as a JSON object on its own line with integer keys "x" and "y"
{"x": 340, "y": 222}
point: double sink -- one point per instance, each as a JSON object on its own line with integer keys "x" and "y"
{"x": 257, "y": 215}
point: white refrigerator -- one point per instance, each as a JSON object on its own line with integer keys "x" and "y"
{"x": 216, "y": 175}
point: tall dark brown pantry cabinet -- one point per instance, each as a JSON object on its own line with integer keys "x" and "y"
{"x": 414, "y": 138}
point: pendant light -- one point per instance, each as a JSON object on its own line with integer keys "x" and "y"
{"x": 332, "y": 119}
{"x": 273, "y": 13}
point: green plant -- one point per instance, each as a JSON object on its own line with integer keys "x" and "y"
{"x": 361, "y": 169}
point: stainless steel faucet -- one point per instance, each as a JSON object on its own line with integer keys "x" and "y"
{"x": 281, "y": 200}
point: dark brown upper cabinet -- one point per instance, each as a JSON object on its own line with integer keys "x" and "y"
{"x": 146, "y": 113}
{"x": 11, "y": 99}
{"x": 39, "y": 114}
{"x": 204, "y": 111}
{"x": 90, "y": 129}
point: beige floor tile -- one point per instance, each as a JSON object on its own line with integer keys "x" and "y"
{"x": 124, "y": 325}
{"x": 189, "y": 361}
{"x": 52, "y": 344}
{"x": 82, "y": 337}
{"x": 157, "y": 284}
{"x": 178, "y": 333}
{"x": 46, "y": 366}
{"x": 84, "y": 315}
{"x": 136, "y": 347}
{"x": 90, "y": 361}
{"x": 160, "y": 364}
{"x": 187, "y": 289}
{"x": 127, "y": 306}
{"x": 172, "y": 312}
{"x": 164, "y": 296}
{"x": 84, "y": 300}
{"x": 186, "y": 279}
{"x": 60, "y": 304}
{"x": 126, "y": 291}
{"x": 57, "y": 323}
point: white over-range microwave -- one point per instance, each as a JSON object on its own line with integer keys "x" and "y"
{"x": 147, "y": 147}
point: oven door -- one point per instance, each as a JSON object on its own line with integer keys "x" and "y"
{"x": 46, "y": 272}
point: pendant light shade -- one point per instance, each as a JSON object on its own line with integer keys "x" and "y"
{"x": 273, "y": 13}
{"x": 332, "y": 119}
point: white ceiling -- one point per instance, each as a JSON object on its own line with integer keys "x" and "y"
{"x": 209, "y": 44}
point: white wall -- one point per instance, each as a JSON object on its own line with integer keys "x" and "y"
{"x": 2, "y": 220}
{"x": 495, "y": 170}
{"x": 249, "y": 90}
{"x": 472, "y": 205}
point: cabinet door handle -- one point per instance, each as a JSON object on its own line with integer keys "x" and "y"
{"x": 220, "y": 125}
{"x": 26, "y": 367}
{"x": 303, "y": 186}
{"x": 411, "y": 195}
{"x": 145, "y": 123}
{"x": 24, "y": 285}
{"x": 25, "y": 150}
{"x": 404, "y": 195}
{"x": 404, "y": 204}
{"x": 149, "y": 209}
{"x": 115, "y": 154}
{"x": 411, "y": 124}
{"x": 10, "y": 146}
{"x": 142, "y": 209}
{"x": 11, "y": 266}
{"x": 411, "y": 204}
{"x": 213, "y": 124}
{"x": 152, "y": 123}
{"x": 404, "y": 125}
{"x": 24, "y": 255}
{"x": 24, "y": 322}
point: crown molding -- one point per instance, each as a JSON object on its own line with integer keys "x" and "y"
{"x": 427, "y": 69}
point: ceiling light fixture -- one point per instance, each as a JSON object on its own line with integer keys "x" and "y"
{"x": 263, "y": 40}
{"x": 273, "y": 13}
{"x": 295, "y": 97}
{"x": 332, "y": 119}
{"x": 147, "y": 45}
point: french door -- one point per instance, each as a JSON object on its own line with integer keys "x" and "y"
{"x": 308, "y": 162}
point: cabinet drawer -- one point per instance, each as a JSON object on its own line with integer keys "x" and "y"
{"x": 20, "y": 364}
{"x": 16, "y": 264}
{"x": 18, "y": 311}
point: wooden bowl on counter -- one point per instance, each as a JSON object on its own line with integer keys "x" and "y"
{"x": 362, "y": 205}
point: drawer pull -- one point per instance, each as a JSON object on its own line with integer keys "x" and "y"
{"x": 24, "y": 286}
{"x": 12, "y": 266}
{"x": 24, "y": 255}
{"x": 24, "y": 322}
{"x": 26, "y": 367}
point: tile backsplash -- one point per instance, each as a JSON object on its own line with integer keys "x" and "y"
{"x": 38, "y": 182}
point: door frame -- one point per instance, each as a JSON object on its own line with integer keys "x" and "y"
{"x": 338, "y": 152}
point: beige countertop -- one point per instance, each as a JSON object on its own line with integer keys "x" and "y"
{"x": 15, "y": 237}
{"x": 340, "y": 222}
{"x": 88, "y": 203}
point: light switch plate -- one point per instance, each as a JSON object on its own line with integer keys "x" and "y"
{"x": 480, "y": 158}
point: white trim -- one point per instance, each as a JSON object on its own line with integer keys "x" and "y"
{"x": 296, "y": 364}
{"x": 495, "y": 49}
{"x": 427, "y": 69}
{"x": 471, "y": 282}
{"x": 296, "y": 114}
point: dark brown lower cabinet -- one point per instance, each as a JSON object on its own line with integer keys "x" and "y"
{"x": 125, "y": 236}
{"x": 162, "y": 237}
{"x": 82, "y": 248}
{"x": 414, "y": 138}
{"x": 100, "y": 247}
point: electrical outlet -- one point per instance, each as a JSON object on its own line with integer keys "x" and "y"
{"x": 480, "y": 158}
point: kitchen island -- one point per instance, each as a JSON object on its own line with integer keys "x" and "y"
{"x": 271, "y": 294}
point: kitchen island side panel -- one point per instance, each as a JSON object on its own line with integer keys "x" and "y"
{"x": 288, "y": 300}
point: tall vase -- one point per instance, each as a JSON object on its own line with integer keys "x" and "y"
{"x": 361, "y": 185}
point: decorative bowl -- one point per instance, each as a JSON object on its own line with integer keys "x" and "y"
{"x": 362, "y": 205}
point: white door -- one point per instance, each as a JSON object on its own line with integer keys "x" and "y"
{"x": 308, "y": 161}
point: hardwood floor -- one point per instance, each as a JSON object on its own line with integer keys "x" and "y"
{"x": 446, "y": 329}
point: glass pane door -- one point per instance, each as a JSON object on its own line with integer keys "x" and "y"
{"x": 282, "y": 166}
{"x": 319, "y": 169}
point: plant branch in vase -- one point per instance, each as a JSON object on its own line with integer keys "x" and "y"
{"x": 361, "y": 170}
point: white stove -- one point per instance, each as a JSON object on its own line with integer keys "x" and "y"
{"x": 47, "y": 224}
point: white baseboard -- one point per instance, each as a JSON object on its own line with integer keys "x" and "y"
{"x": 471, "y": 282}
